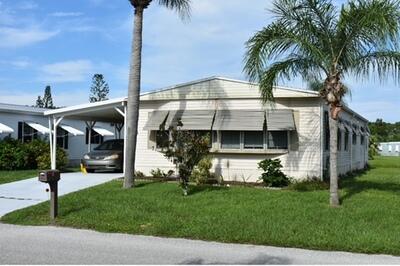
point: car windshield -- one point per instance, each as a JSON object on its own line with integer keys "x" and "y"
{"x": 111, "y": 145}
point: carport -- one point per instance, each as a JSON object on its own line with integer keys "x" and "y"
{"x": 112, "y": 111}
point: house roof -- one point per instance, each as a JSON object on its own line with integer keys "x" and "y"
{"x": 14, "y": 108}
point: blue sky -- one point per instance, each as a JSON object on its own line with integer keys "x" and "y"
{"x": 63, "y": 43}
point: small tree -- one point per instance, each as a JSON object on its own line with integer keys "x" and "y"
{"x": 186, "y": 149}
{"x": 99, "y": 89}
{"x": 39, "y": 102}
{"x": 48, "y": 98}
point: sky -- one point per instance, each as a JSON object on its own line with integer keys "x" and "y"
{"x": 63, "y": 43}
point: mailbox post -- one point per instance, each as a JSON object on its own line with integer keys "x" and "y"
{"x": 51, "y": 177}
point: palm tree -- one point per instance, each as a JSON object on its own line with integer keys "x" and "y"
{"x": 314, "y": 39}
{"x": 183, "y": 9}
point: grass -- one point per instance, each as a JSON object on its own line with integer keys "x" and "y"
{"x": 367, "y": 221}
{"x": 12, "y": 176}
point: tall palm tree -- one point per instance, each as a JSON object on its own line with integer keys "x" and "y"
{"x": 183, "y": 9}
{"x": 316, "y": 39}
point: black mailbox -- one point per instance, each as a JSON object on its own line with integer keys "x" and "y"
{"x": 49, "y": 176}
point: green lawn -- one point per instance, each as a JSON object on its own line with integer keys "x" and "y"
{"x": 368, "y": 220}
{"x": 12, "y": 176}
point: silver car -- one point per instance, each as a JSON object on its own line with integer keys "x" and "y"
{"x": 106, "y": 156}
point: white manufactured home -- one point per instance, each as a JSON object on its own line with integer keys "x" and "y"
{"x": 243, "y": 130}
{"x": 389, "y": 148}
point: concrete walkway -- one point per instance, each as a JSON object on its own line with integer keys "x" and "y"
{"x": 28, "y": 192}
{"x": 53, "y": 245}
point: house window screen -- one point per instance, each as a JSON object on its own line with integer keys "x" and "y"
{"x": 95, "y": 138}
{"x": 230, "y": 139}
{"x": 277, "y": 140}
{"x": 26, "y": 133}
{"x": 339, "y": 139}
{"x": 62, "y": 138}
{"x": 253, "y": 140}
{"x": 346, "y": 140}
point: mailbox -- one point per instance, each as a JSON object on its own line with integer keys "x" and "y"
{"x": 49, "y": 176}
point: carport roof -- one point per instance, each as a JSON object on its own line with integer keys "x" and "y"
{"x": 103, "y": 111}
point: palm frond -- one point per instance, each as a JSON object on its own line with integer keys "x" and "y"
{"x": 383, "y": 63}
{"x": 182, "y": 7}
{"x": 291, "y": 67}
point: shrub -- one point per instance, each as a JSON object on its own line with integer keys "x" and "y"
{"x": 160, "y": 174}
{"x": 139, "y": 174}
{"x": 44, "y": 162}
{"x": 201, "y": 173}
{"x": 13, "y": 155}
{"x": 311, "y": 184}
{"x": 273, "y": 176}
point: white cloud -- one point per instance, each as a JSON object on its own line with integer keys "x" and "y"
{"x": 27, "y": 5}
{"x": 67, "y": 71}
{"x": 19, "y": 37}
{"x": 66, "y": 14}
{"x": 17, "y": 63}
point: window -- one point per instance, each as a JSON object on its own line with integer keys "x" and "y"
{"x": 346, "y": 140}
{"x": 62, "y": 138}
{"x": 339, "y": 139}
{"x": 26, "y": 133}
{"x": 362, "y": 139}
{"x": 162, "y": 138}
{"x": 354, "y": 138}
{"x": 326, "y": 130}
{"x": 230, "y": 139}
{"x": 95, "y": 138}
{"x": 277, "y": 140}
{"x": 253, "y": 139}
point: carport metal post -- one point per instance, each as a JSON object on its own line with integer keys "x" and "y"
{"x": 56, "y": 122}
{"x": 90, "y": 125}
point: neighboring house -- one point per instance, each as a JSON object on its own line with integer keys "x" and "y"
{"x": 26, "y": 123}
{"x": 389, "y": 148}
{"x": 244, "y": 131}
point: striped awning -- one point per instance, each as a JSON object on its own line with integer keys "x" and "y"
{"x": 190, "y": 119}
{"x": 155, "y": 120}
{"x": 102, "y": 131}
{"x": 38, "y": 127}
{"x": 236, "y": 120}
{"x": 72, "y": 130}
{"x": 281, "y": 119}
{"x": 5, "y": 129}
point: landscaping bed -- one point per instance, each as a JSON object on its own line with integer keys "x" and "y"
{"x": 367, "y": 221}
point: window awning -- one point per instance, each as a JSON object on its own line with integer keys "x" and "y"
{"x": 72, "y": 130}
{"x": 356, "y": 129}
{"x": 155, "y": 120}
{"x": 38, "y": 127}
{"x": 191, "y": 119}
{"x": 102, "y": 131}
{"x": 249, "y": 120}
{"x": 5, "y": 129}
{"x": 280, "y": 120}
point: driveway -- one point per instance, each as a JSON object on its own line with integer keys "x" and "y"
{"x": 54, "y": 245}
{"x": 28, "y": 192}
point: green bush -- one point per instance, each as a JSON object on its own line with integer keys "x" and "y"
{"x": 311, "y": 184}
{"x": 160, "y": 174}
{"x": 139, "y": 174}
{"x": 15, "y": 155}
{"x": 201, "y": 173}
{"x": 273, "y": 176}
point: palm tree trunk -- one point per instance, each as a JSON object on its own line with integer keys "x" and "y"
{"x": 333, "y": 130}
{"x": 133, "y": 98}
